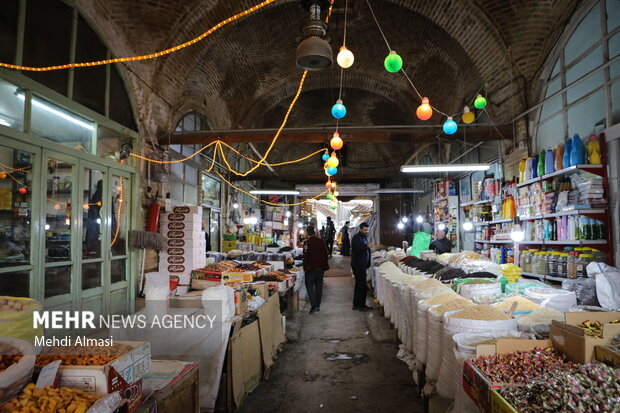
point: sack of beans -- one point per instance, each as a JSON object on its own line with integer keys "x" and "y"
{"x": 16, "y": 318}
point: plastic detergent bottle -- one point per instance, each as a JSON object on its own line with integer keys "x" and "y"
{"x": 534, "y": 166}
{"x": 576, "y": 151}
{"x": 549, "y": 161}
{"x": 541, "y": 162}
{"x": 522, "y": 170}
{"x": 527, "y": 174}
{"x": 594, "y": 150}
{"x": 566, "y": 157}
{"x": 559, "y": 154}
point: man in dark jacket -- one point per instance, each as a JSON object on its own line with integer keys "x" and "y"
{"x": 346, "y": 241}
{"x": 441, "y": 243}
{"x": 360, "y": 261}
{"x": 315, "y": 265}
{"x": 330, "y": 234}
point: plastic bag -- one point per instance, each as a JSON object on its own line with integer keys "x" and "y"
{"x": 255, "y": 303}
{"x": 473, "y": 290}
{"x": 584, "y": 289}
{"x": 551, "y": 297}
{"x": 519, "y": 287}
{"x": 226, "y": 298}
{"x": 607, "y": 284}
{"x": 18, "y": 375}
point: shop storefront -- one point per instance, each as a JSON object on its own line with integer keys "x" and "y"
{"x": 64, "y": 210}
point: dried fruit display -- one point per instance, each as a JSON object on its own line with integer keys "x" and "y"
{"x": 83, "y": 355}
{"x": 48, "y": 399}
{"x": 595, "y": 328}
{"x": 17, "y": 304}
{"x": 271, "y": 276}
{"x": 520, "y": 367}
{"x": 580, "y": 388}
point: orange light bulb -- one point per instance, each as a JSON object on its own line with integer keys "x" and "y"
{"x": 424, "y": 111}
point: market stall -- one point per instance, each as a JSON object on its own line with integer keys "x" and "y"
{"x": 452, "y": 311}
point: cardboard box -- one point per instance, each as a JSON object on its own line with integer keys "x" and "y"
{"x": 262, "y": 287}
{"x": 476, "y": 385}
{"x": 101, "y": 380}
{"x": 241, "y": 302}
{"x": 228, "y": 246}
{"x": 187, "y": 209}
{"x": 184, "y": 234}
{"x": 166, "y": 225}
{"x": 204, "y": 284}
{"x": 190, "y": 261}
{"x": 499, "y": 404}
{"x": 175, "y": 269}
{"x": 193, "y": 251}
{"x": 238, "y": 276}
{"x": 607, "y": 355}
{"x": 186, "y": 243}
{"x": 573, "y": 341}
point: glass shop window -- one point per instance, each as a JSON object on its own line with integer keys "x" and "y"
{"x": 584, "y": 117}
{"x": 584, "y": 36}
{"x": 15, "y": 207}
{"x": 59, "y": 125}
{"x": 59, "y": 187}
{"x": 11, "y": 107}
{"x": 551, "y": 132}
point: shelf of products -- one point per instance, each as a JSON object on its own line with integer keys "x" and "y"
{"x": 482, "y": 241}
{"x": 564, "y": 214}
{"x": 596, "y": 169}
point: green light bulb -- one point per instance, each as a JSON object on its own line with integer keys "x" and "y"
{"x": 480, "y": 102}
{"x": 393, "y": 62}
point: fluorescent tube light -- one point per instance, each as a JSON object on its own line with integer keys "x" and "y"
{"x": 274, "y": 192}
{"x": 444, "y": 168}
{"x": 398, "y": 191}
{"x": 58, "y": 113}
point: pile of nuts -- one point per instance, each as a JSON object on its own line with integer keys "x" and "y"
{"x": 581, "y": 388}
{"x": 8, "y": 356}
{"x": 520, "y": 367}
{"x": 12, "y": 304}
{"x": 595, "y": 328}
{"x": 63, "y": 399}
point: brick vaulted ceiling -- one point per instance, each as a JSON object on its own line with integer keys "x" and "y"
{"x": 244, "y": 75}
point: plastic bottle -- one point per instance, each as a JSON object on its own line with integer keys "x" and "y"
{"x": 559, "y": 154}
{"x": 522, "y": 169}
{"x": 594, "y": 150}
{"x": 549, "y": 161}
{"x": 527, "y": 174}
{"x": 541, "y": 162}
{"x": 562, "y": 264}
{"x": 566, "y": 157}
{"x": 571, "y": 265}
{"x": 534, "y": 166}
{"x": 554, "y": 261}
{"x": 576, "y": 151}
{"x": 526, "y": 261}
{"x": 582, "y": 263}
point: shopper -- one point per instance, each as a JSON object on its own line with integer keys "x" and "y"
{"x": 330, "y": 234}
{"x": 360, "y": 261}
{"x": 441, "y": 243}
{"x": 346, "y": 241}
{"x": 315, "y": 265}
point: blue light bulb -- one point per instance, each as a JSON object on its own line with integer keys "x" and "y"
{"x": 332, "y": 171}
{"x": 325, "y": 157}
{"x": 339, "y": 110}
{"x": 449, "y": 128}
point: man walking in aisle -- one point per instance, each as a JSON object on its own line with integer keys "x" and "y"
{"x": 360, "y": 261}
{"x": 346, "y": 241}
{"x": 315, "y": 265}
{"x": 330, "y": 234}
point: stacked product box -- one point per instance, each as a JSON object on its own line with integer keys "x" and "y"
{"x": 185, "y": 244}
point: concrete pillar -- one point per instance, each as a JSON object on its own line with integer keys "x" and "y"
{"x": 612, "y": 137}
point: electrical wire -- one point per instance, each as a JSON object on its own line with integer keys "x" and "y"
{"x": 267, "y": 202}
{"x": 142, "y": 57}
